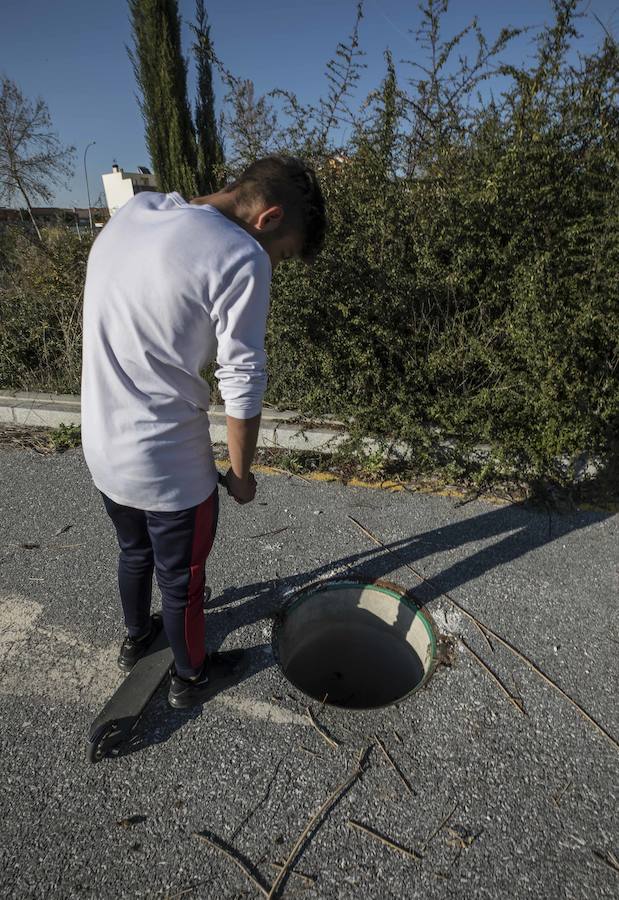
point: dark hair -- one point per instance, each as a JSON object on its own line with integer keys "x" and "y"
{"x": 291, "y": 183}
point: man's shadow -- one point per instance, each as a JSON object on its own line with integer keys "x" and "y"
{"x": 523, "y": 530}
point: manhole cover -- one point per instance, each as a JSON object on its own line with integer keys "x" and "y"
{"x": 360, "y": 645}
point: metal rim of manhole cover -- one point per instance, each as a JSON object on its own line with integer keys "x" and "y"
{"x": 355, "y": 643}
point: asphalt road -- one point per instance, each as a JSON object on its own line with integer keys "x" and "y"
{"x": 533, "y": 798}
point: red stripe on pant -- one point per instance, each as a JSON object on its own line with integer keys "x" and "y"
{"x": 203, "y": 537}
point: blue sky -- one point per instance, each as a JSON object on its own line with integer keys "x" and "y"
{"x": 72, "y": 53}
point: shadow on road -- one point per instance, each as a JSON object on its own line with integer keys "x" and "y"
{"x": 520, "y": 530}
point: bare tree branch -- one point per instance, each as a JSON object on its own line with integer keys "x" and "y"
{"x": 32, "y": 159}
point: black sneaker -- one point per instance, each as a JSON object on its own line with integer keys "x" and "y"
{"x": 220, "y": 670}
{"x": 133, "y": 649}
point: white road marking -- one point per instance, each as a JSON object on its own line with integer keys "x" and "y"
{"x": 52, "y": 663}
{"x": 260, "y": 709}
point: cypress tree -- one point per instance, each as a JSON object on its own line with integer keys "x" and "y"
{"x": 161, "y": 74}
{"x": 208, "y": 143}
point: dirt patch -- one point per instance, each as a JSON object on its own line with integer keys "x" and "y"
{"x": 25, "y": 437}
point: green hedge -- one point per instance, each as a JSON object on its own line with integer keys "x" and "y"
{"x": 478, "y": 305}
{"x": 41, "y": 294}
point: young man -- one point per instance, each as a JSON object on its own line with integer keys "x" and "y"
{"x": 170, "y": 286}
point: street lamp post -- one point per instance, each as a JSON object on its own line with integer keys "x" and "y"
{"x": 87, "y": 188}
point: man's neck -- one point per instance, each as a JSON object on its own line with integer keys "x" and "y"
{"x": 226, "y": 204}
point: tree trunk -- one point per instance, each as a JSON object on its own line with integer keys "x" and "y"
{"x": 25, "y": 196}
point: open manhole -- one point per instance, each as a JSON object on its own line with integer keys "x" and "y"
{"x": 361, "y": 645}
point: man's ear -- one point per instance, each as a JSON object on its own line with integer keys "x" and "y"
{"x": 270, "y": 219}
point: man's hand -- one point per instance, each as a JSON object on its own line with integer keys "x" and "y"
{"x": 242, "y": 489}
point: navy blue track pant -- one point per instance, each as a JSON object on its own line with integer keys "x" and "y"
{"x": 175, "y": 545}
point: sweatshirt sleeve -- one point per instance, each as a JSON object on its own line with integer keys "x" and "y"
{"x": 240, "y": 317}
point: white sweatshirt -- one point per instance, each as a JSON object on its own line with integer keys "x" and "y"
{"x": 169, "y": 287}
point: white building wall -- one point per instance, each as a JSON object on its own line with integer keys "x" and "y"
{"x": 120, "y": 186}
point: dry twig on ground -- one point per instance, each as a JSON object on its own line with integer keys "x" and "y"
{"x": 535, "y": 668}
{"x": 517, "y": 703}
{"x": 436, "y": 830}
{"x": 331, "y": 799}
{"x": 308, "y": 879}
{"x": 269, "y": 533}
{"x": 217, "y": 846}
{"x": 313, "y": 752}
{"x": 609, "y": 858}
{"x": 385, "y": 840}
{"x": 557, "y": 798}
{"x": 459, "y": 839}
{"x": 332, "y": 743}
{"x": 394, "y": 765}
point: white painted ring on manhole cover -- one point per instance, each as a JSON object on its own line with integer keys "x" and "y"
{"x": 361, "y": 644}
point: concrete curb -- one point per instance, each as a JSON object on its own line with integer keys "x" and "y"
{"x": 279, "y": 428}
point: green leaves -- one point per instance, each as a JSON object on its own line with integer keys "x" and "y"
{"x": 480, "y": 299}
{"x": 161, "y": 74}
